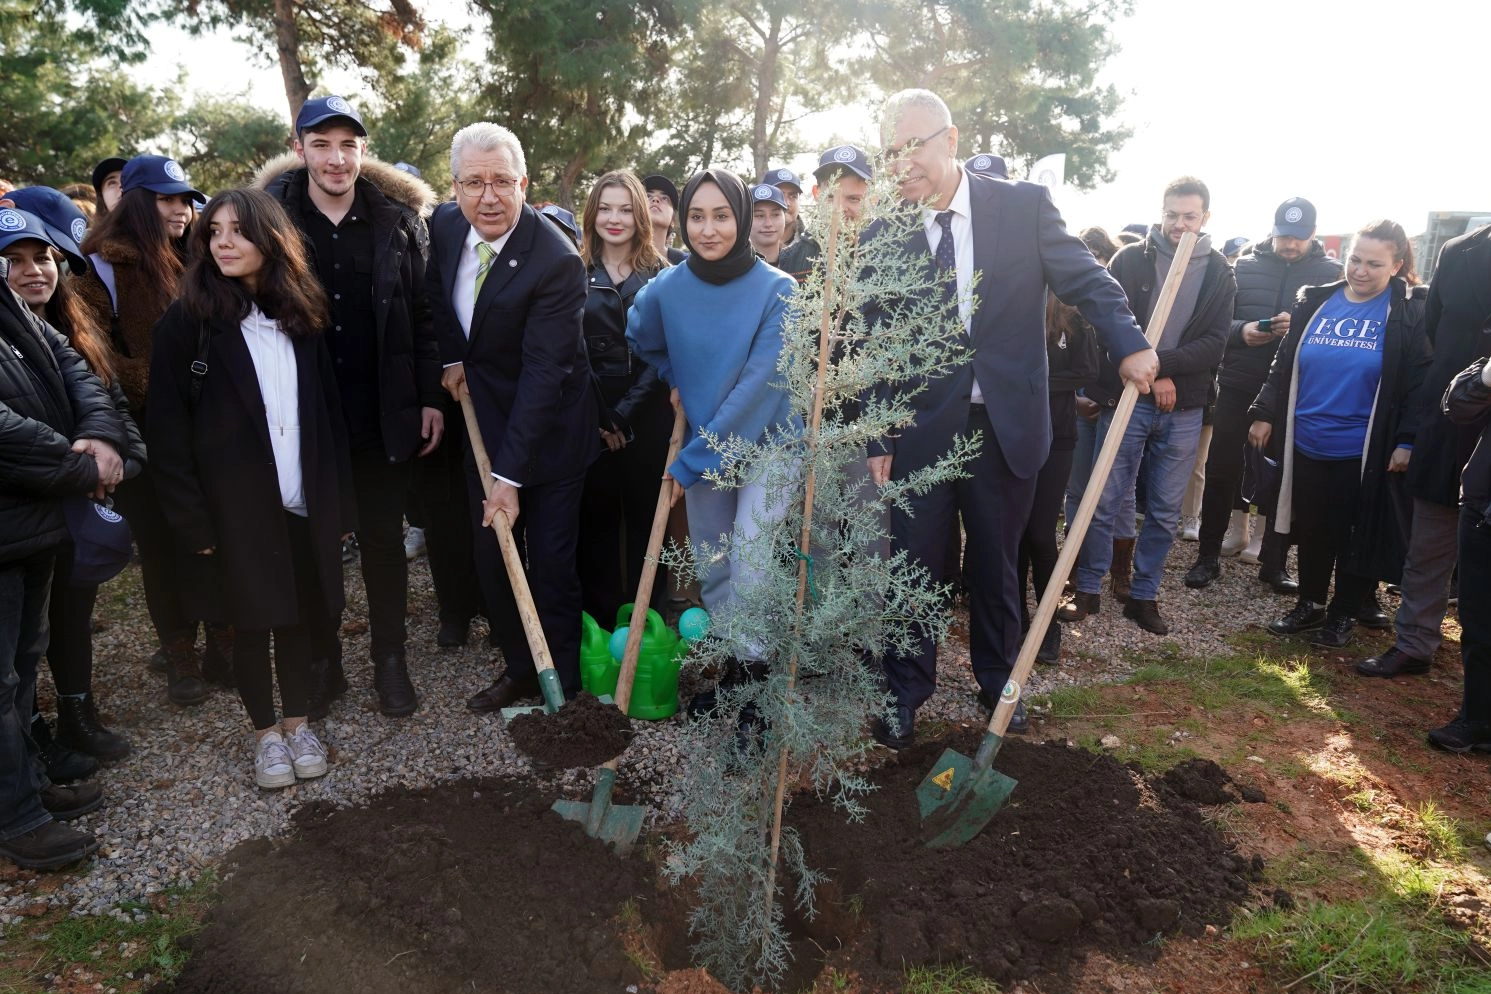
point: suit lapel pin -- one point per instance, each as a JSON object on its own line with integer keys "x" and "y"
{"x": 512, "y": 263}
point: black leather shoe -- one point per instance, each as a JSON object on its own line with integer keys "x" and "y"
{"x": 1462, "y": 736}
{"x": 702, "y": 703}
{"x": 900, "y": 737}
{"x": 157, "y": 663}
{"x": 1372, "y": 615}
{"x": 184, "y": 684}
{"x": 504, "y": 693}
{"x": 67, "y": 803}
{"x": 217, "y": 655}
{"x": 396, "y": 696}
{"x": 79, "y": 729}
{"x": 1335, "y": 633}
{"x": 1050, "y": 650}
{"x": 1207, "y": 569}
{"x": 1394, "y": 662}
{"x": 1304, "y": 616}
{"x": 328, "y": 682}
{"x": 1079, "y": 607}
{"x": 454, "y": 633}
{"x": 63, "y": 765}
{"x": 1146, "y": 614}
{"x": 1282, "y": 582}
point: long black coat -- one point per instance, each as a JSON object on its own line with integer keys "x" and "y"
{"x": 215, "y": 472}
{"x": 1458, "y": 324}
{"x": 1378, "y": 543}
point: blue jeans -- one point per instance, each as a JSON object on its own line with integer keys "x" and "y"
{"x": 1166, "y": 444}
{"x": 25, "y": 588}
{"x": 1082, "y": 459}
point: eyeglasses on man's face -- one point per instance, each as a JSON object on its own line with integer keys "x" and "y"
{"x": 475, "y": 188}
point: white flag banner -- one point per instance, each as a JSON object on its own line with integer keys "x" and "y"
{"x": 1050, "y": 171}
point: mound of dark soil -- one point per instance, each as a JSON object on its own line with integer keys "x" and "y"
{"x": 1087, "y": 854}
{"x": 584, "y": 732}
{"x": 1204, "y": 782}
{"x": 469, "y": 887}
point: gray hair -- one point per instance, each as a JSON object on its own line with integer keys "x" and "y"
{"x": 484, "y": 136}
{"x": 897, "y": 104}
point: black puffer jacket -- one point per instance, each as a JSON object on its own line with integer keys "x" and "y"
{"x": 1467, "y": 403}
{"x": 627, "y": 384}
{"x": 1267, "y": 285}
{"x": 48, "y": 399}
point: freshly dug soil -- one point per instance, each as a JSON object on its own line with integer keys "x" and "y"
{"x": 474, "y": 886}
{"x": 1087, "y": 854}
{"x": 584, "y": 732}
{"x": 1204, "y": 782}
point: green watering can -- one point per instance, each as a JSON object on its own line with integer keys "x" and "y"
{"x": 655, "y": 688}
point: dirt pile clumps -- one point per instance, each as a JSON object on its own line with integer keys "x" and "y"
{"x": 473, "y": 886}
{"x": 584, "y": 732}
{"x": 1087, "y": 854}
{"x": 1204, "y": 782}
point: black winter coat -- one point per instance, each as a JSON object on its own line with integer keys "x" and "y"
{"x": 1458, "y": 325}
{"x": 1191, "y": 362}
{"x": 49, "y": 398}
{"x": 1266, "y": 285}
{"x": 1377, "y": 545}
{"x": 1073, "y": 363}
{"x": 1467, "y": 402}
{"x": 215, "y": 472}
{"x": 630, "y": 391}
{"x": 408, "y": 356}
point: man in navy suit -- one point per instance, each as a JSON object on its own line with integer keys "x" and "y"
{"x": 1012, "y": 234}
{"x": 507, "y": 292}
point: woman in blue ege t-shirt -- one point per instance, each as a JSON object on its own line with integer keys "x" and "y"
{"x": 1341, "y": 384}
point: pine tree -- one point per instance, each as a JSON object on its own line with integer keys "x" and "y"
{"x": 826, "y": 604}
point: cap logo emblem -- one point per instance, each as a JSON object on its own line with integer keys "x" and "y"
{"x": 107, "y": 513}
{"x": 79, "y": 229}
{"x": 173, "y": 169}
{"x": 11, "y": 220}
{"x": 763, "y": 192}
{"x": 981, "y": 162}
{"x": 1293, "y": 215}
{"x": 844, "y": 153}
{"x": 339, "y": 105}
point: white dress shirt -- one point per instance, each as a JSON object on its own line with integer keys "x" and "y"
{"x": 962, "y": 227}
{"x": 275, "y": 367}
{"x": 463, "y": 294}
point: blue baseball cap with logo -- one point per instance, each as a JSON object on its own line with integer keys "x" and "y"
{"x": 766, "y": 193}
{"x": 66, "y": 226}
{"x": 843, "y": 158}
{"x": 18, "y": 225}
{"x": 986, "y": 164}
{"x": 563, "y": 218}
{"x": 1295, "y": 218}
{"x": 1234, "y": 246}
{"x": 158, "y": 174}
{"x": 323, "y": 109}
{"x": 782, "y": 177}
{"x": 101, "y": 541}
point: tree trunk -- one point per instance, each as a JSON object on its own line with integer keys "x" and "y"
{"x": 766, "y": 85}
{"x": 287, "y": 43}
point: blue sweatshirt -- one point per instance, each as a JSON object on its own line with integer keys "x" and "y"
{"x": 1340, "y": 366}
{"x": 719, "y": 346}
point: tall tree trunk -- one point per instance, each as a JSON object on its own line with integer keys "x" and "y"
{"x": 766, "y": 86}
{"x": 287, "y": 43}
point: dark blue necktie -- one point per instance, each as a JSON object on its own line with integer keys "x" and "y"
{"x": 947, "y": 254}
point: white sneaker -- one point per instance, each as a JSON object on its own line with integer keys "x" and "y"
{"x": 1255, "y": 545}
{"x": 414, "y": 543}
{"x": 273, "y": 764}
{"x": 308, "y": 753}
{"x": 1190, "y": 529}
{"x": 1237, "y": 535}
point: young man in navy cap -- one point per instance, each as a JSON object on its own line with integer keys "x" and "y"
{"x": 363, "y": 221}
{"x": 786, "y": 180}
{"x": 106, "y": 184}
{"x": 843, "y": 178}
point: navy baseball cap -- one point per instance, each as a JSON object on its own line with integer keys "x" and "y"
{"x": 563, "y": 218}
{"x": 18, "y": 225}
{"x": 1136, "y": 228}
{"x": 323, "y": 109}
{"x": 782, "y": 177}
{"x": 1295, "y": 218}
{"x": 1234, "y": 246}
{"x": 157, "y": 174}
{"x": 766, "y": 193}
{"x": 988, "y": 165}
{"x": 66, "y": 226}
{"x": 662, "y": 184}
{"x": 847, "y": 158}
{"x": 101, "y": 541}
{"x": 101, "y": 171}
{"x": 411, "y": 169}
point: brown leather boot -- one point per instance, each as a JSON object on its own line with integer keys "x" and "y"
{"x": 184, "y": 683}
{"x": 217, "y": 655}
{"x": 1122, "y": 570}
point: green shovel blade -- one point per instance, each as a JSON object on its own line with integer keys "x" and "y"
{"x": 957, "y": 799}
{"x": 553, "y": 694}
{"x": 617, "y": 824}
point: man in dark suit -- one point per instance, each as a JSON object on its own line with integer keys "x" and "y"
{"x": 507, "y": 290}
{"x": 1013, "y": 235}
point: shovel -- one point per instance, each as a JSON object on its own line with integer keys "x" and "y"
{"x": 960, "y": 795}
{"x": 548, "y": 678}
{"x": 619, "y": 824}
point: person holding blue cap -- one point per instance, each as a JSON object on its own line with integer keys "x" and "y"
{"x": 136, "y": 254}
{"x": 82, "y": 740}
{"x": 768, "y": 221}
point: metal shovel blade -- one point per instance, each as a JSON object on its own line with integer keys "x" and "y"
{"x": 957, "y": 799}
{"x": 616, "y": 824}
{"x": 549, "y": 689}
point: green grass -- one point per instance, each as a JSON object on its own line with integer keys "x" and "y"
{"x": 947, "y": 980}
{"x": 1072, "y": 702}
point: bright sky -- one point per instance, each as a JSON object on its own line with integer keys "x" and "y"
{"x": 1368, "y": 108}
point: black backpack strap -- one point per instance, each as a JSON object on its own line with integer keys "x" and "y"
{"x": 199, "y": 364}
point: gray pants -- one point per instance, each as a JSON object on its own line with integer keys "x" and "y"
{"x": 740, "y": 513}
{"x": 1426, "y": 578}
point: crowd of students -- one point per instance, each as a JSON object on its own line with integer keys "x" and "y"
{"x": 296, "y": 354}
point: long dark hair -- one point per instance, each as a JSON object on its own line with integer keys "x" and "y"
{"x": 1392, "y": 232}
{"x": 641, "y": 253}
{"x": 67, "y": 313}
{"x": 136, "y": 221}
{"x": 286, "y": 288}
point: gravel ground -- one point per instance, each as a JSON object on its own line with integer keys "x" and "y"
{"x": 185, "y": 795}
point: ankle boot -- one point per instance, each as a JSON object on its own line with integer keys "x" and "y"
{"x": 79, "y": 729}
{"x": 328, "y": 682}
{"x": 63, "y": 764}
{"x": 1122, "y": 570}
{"x": 217, "y": 655}
{"x": 184, "y": 683}
{"x": 396, "y": 696}
{"x": 1238, "y": 534}
{"x": 1253, "y": 553}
